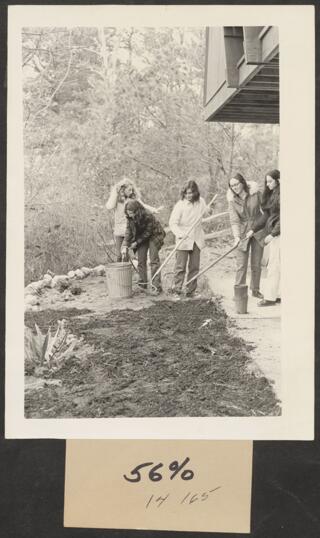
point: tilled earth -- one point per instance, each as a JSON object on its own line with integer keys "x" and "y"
{"x": 171, "y": 359}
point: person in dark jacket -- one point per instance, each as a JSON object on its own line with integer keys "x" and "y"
{"x": 143, "y": 233}
{"x": 121, "y": 192}
{"x": 270, "y": 222}
{"x": 244, "y": 200}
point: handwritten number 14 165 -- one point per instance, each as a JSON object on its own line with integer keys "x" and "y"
{"x": 155, "y": 475}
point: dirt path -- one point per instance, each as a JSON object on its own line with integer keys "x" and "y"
{"x": 260, "y": 326}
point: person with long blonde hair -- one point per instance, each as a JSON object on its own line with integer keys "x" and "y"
{"x": 120, "y": 193}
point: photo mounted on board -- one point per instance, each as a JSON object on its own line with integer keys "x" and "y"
{"x": 155, "y": 252}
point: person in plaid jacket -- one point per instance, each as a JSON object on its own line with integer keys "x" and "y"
{"x": 143, "y": 233}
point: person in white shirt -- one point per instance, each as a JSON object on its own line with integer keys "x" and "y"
{"x": 121, "y": 192}
{"x": 185, "y": 213}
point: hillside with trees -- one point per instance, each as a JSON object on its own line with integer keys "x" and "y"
{"x": 102, "y": 103}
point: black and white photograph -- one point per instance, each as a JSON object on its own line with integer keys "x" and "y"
{"x": 154, "y": 280}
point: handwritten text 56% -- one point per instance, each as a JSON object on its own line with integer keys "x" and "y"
{"x": 154, "y": 474}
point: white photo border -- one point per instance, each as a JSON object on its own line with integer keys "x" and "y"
{"x": 297, "y": 165}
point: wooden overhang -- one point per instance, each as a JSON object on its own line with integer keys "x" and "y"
{"x": 242, "y": 74}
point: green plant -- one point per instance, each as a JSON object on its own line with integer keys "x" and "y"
{"x": 48, "y": 350}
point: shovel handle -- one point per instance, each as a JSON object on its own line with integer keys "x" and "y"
{"x": 211, "y": 264}
{"x": 184, "y": 237}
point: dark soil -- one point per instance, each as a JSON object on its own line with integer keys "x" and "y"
{"x": 48, "y": 318}
{"x": 154, "y": 362}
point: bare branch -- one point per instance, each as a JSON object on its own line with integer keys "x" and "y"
{"x": 60, "y": 83}
{"x": 149, "y": 166}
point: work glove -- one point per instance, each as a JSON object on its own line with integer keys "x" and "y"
{"x": 158, "y": 209}
{"x": 268, "y": 239}
{"x": 249, "y": 234}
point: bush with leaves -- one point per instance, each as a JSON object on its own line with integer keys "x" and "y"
{"x": 48, "y": 352}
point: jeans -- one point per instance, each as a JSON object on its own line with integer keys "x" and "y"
{"x": 242, "y": 258}
{"x": 118, "y": 240}
{"x": 142, "y": 253}
{"x": 182, "y": 257}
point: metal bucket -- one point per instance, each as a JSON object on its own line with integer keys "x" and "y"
{"x": 119, "y": 280}
{"x": 241, "y": 298}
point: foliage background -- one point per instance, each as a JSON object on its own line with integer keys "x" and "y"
{"x": 102, "y": 103}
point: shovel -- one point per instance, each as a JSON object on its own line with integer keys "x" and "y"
{"x": 183, "y": 238}
{"x": 211, "y": 264}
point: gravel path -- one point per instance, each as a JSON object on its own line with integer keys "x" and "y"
{"x": 260, "y": 326}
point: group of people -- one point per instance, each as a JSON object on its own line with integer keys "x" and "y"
{"x": 255, "y": 222}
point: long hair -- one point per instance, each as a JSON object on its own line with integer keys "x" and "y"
{"x": 137, "y": 208}
{"x": 275, "y": 174}
{"x": 240, "y": 178}
{"x": 191, "y": 185}
{"x": 126, "y": 182}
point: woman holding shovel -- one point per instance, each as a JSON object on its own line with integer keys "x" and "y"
{"x": 269, "y": 222}
{"x": 121, "y": 192}
{"x": 244, "y": 200}
{"x": 143, "y": 233}
{"x": 188, "y": 211}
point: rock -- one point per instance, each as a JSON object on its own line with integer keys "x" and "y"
{"x": 31, "y": 290}
{"x": 40, "y": 284}
{"x": 60, "y": 282}
{"x": 34, "y": 288}
{"x": 71, "y": 274}
{"x": 31, "y": 300}
{"x": 54, "y": 281}
{"x": 99, "y": 270}
{"x": 47, "y": 279}
{"x": 79, "y": 274}
{"x": 86, "y": 271}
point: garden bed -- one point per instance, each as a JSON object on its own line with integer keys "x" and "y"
{"x": 171, "y": 359}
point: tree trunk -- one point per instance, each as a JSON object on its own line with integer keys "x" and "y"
{"x": 232, "y": 139}
{"x": 103, "y": 49}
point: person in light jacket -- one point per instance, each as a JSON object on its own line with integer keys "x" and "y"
{"x": 269, "y": 222}
{"x": 187, "y": 211}
{"x": 244, "y": 200}
{"x": 121, "y": 192}
{"x": 143, "y": 233}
